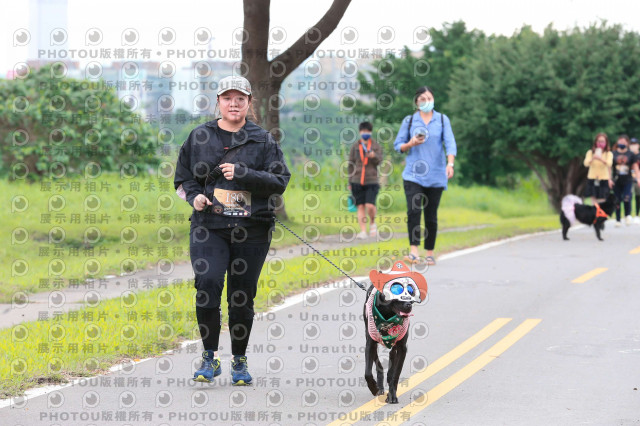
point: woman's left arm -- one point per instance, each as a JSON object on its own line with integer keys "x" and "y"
{"x": 609, "y": 158}
{"x": 449, "y": 145}
{"x": 273, "y": 180}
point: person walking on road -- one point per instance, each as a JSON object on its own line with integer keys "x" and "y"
{"x": 364, "y": 157}
{"x": 599, "y": 160}
{"x": 624, "y": 162}
{"x": 634, "y": 147}
{"x": 231, "y": 171}
{"x": 427, "y": 139}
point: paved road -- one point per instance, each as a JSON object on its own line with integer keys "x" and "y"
{"x": 535, "y": 331}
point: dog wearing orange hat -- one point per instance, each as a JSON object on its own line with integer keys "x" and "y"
{"x": 387, "y": 309}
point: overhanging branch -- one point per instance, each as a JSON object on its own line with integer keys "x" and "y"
{"x": 312, "y": 38}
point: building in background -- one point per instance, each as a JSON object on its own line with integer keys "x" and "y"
{"x": 48, "y": 26}
{"x": 186, "y": 85}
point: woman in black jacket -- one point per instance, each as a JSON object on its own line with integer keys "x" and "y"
{"x": 232, "y": 172}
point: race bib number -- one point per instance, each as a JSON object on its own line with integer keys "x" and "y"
{"x": 231, "y": 203}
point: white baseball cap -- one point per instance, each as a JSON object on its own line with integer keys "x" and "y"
{"x": 234, "y": 82}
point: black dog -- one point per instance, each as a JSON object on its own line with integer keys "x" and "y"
{"x": 398, "y": 350}
{"x": 590, "y": 215}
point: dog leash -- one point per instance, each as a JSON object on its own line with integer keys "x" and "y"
{"x": 321, "y": 255}
{"x": 268, "y": 219}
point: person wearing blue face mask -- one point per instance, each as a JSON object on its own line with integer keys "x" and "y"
{"x": 427, "y": 139}
{"x": 624, "y": 163}
{"x": 364, "y": 156}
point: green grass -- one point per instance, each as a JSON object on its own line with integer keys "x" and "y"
{"x": 311, "y": 202}
{"x": 165, "y": 316}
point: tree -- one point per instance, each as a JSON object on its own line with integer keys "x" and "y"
{"x": 395, "y": 79}
{"x": 266, "y": 76}
{"x": 541, "y": 99}
{"x": 54, "y": 125}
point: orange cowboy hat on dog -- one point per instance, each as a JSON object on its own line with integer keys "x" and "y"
{"x": 400, "y": 274}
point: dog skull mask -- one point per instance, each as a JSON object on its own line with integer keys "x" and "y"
{"x": 401, "y": 275}
{"x": 403, "y": 289}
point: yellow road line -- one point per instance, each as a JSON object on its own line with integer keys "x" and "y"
{"x": 411, "y": 409}
{"x": 586, "y": 277}
{"x": 635, "y": 250}
{"x": 413, "y": 381}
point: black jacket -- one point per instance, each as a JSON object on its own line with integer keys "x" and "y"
{"x": 259, "y": 168}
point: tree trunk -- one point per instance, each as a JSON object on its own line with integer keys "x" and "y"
{"x": 576, "y": 177}
{"x": 266, "y": 76}
{"x": 556, "y": 181}
{"x": 559, "y": 181}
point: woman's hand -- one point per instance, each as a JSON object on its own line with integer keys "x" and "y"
{"x": 610, "y": 184}
{"x": 227, "y": 170}
{"x": 449, "y": 172}
{"x": 200, "y": 202}
{"x": 411, "y": 143}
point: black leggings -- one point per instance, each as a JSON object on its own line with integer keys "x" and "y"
{"x": 421, "y": 198}
{"x": 623, "y": 193}
{"x": 215, "y": 253}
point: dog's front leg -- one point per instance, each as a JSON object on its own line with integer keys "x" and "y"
{"x": 597, "y": 227}
{"x": 565, "y": 225}
{"x": 371, "y": 356}
{"x": 396, "y": 361}
{"x": 380, "y": 374}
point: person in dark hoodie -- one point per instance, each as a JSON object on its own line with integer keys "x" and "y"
{"x": 232, "y": 172}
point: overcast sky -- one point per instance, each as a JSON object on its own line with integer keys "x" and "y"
{"x": 367, "y": 18}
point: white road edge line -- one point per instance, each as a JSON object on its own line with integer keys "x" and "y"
{"x": 289, "y": 302}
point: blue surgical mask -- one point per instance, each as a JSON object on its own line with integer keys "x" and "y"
{"x": 622, "y": 146}
{"x": 426, "y": 107}
{"x": 365, "y": 136}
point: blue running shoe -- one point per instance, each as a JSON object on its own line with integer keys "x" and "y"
{"x": 239, "y": 373}
{"x": 209, "y": 369}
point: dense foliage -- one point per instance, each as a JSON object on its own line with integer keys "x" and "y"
{"x": 526, "y": 103}
{"x": 52, "y": 125}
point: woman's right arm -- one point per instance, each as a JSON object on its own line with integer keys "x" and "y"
{"x": 351, "y": 162}
{"x": 609, "y": 159}
{"x": 407, "y": 146}
{"x": 588, "y": 158}
{"x": 403, "y": 143}
{"x": 184, "y": 175}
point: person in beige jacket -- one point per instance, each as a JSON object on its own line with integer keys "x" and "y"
{"x": 599, "y": 160}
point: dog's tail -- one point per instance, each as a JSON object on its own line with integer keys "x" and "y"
{"x": 568, "y": 207}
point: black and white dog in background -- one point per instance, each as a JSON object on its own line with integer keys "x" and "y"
{"x": 574, "y": 211}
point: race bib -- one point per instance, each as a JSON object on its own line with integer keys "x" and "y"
{"x": 231, "y": 203}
